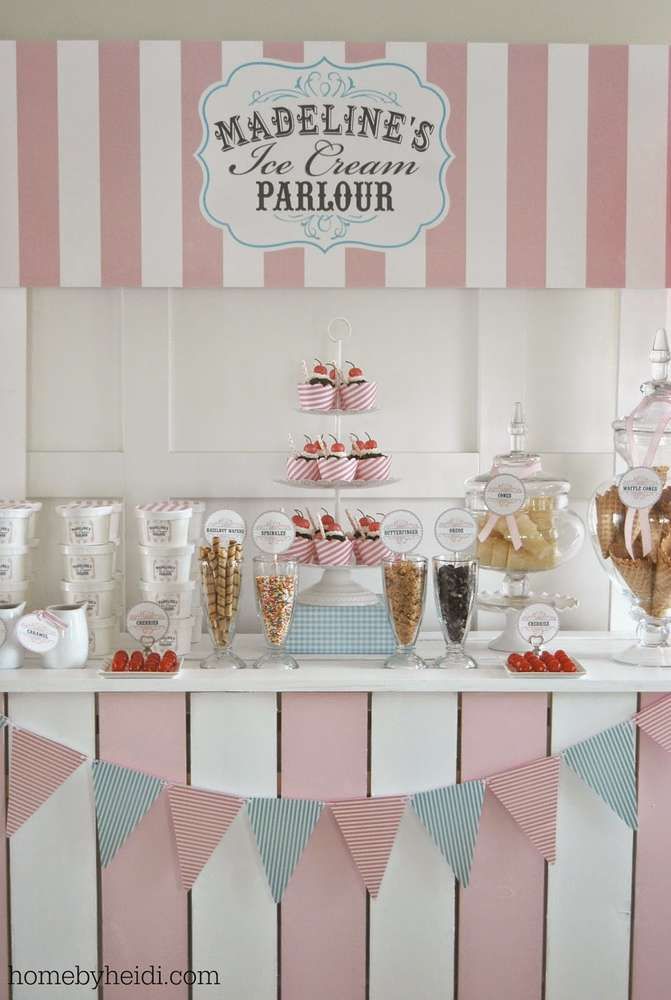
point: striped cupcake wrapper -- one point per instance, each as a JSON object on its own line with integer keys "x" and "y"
{"x": 302, "y": 551}
{"x": 370, "y": 552}
{"x": 316, "y": 397}
{"x": 373, "y": 468}
{"x": 341, "y": 470}
{"x": 359, "y": 396}
{"x": 302, "y": 468}
{"x": 331, "y": 553}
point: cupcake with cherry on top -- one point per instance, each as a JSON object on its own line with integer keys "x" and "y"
{"x": 302, "y": 549}
{"x": 356, "y": 393}
{"x": 319, "y": 390}
{"x": 337, "y": 466}
{"x": 332, "y": 545}
{"x": 371, "y": 463}
{"x": 305, "y": 464}
{"x": 369, "y": 550}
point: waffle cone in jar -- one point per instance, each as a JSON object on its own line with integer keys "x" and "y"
{"x": 609, "y": 512}
{"x": 661, "y": 593}
{"x": 638, "y": 575}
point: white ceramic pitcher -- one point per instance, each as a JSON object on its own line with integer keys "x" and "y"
{"x": 72, "y": 649}
{"x": 11, "y": 651}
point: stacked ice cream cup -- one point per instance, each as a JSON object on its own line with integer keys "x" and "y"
{"x": 18, "y": 542}
{"x": 90, "y": 536}
{"x": 168, "y": 531}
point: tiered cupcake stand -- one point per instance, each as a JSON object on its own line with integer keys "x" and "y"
{"x": 337, "y": 586}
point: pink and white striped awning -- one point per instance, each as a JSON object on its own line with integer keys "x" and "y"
{"x": 560, "y": 175}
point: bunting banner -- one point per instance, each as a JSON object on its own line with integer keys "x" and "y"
{"x": 529, "y": 793}
{"x": 37, "y": 767}
{"x": 282, "y": 828}
{"x": 452, "y": 816}
{"x": 607, "y": 763}
{"x": 369, "y": 827}
{"x": 200, "y": 819}
{"x": 122, "y": 798}
{"x": 655, "y": 721}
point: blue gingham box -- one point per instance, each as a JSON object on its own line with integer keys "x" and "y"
{"x": 346, "y": 631}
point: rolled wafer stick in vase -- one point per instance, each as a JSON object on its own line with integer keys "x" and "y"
{"x": 221, "y": 575}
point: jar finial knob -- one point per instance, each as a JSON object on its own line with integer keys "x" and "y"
{"x": 660, "y": 356}
{"x": 517, "y": 428}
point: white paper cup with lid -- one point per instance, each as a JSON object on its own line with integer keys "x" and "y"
{"x": 98, "y": 595}
{"x": 14, "y": 564}
{"x": 14, "y": 591}
{"x": 85, "y": 522}
{"x": 103, "y": 636}
{"x": 178, "y": 636}
{"x": 16, "y": 521}
{"x": 88, "y": 562}
{"x": 166, "y": 563}
{"x": 165, "y": 523}
{"x": 175, "y": 598}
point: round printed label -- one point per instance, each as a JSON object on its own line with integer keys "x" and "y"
{"x": 538, "y": 623}
{"x": 226, "y": 525}
{"x": 3, "y": 634}
{"x": 273, "y": 532}
{"x": 504, "y": 494}
{"x": 456, "y": 529}
{"x": 147, "y": 622}
{"x": 640, "y": 488}
{"x": 401, "y": 531}
{"x": 36, "y": 634}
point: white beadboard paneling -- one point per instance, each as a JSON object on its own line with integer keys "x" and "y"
{"x": 646, "y": 165}
{"x": 243, "y": 268}
{"x": 233, "y": 917}
{"x": 589, "y": 886}
{"x": 74, "y": 370}
{"x": 161, "y": 162}
{"x": 53, "y": 855}
{"x": 419, "y": 346}
{"x": 486, "y": 165}
{"x": 567, "y": 166}
{"x": 9, "y": 171}
{"x": 79, "y": 163}
{"x": 406, "y": 266}
{"x": 412, "y": 920}
{"x": 13, "y": 391}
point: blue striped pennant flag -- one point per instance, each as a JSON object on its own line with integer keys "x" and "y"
{"x": 452, "y": 816}
{"x": 122, "y": 798}
{"x": 282, "y": 828}
{"x": 607, "y": 763}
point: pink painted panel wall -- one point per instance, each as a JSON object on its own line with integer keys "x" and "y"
{"x": 651, "y": 956}
{"x": 607, "y": 165}
{"x": 501, "y": 913}
{"x": 527, "y": 164}
{"x": 144, "y": 908}
{"x": 4, "y": 899}
{"x": 446, "y": 242}
{"x": 203, "y": 244}
{"x": 37, "y": 122}
{"x": 323, "y": 914}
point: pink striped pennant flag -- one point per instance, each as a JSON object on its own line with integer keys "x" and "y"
{"x": 655, "y": 720}
{"x": 37, "y": 767}
{"x": 529, "y": 793}
{"x": 200, "y": 819}
{"x": 369, "y": 827}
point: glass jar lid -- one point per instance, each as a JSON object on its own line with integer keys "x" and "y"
{"x": 653, "y": 412}
{"x": 522, "y": 464}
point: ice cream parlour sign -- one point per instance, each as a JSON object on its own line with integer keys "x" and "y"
{"x": 324, "y": 154}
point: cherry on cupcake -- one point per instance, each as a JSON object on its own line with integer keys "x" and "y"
{"x": 354, "y": 371}
{"x": 320, "y": 368}
{"x": 300, "y": 520}
{"x": 337, "y": 448}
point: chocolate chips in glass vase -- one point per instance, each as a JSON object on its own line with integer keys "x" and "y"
{"x": 455, "y": 596}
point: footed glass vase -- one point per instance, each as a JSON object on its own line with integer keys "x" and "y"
{"x": 276, "y": 588}
{"x": 221, "y": 600}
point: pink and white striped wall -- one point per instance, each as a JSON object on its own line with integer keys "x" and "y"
{"x": 560, "y": 179}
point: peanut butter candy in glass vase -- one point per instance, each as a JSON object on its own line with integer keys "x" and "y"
{"x": 630, "y": 515}
{"x": 525, "y": 527}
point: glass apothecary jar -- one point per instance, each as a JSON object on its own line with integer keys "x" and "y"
{"x": 630, "y": 515}
{"x": 525, "y": 527}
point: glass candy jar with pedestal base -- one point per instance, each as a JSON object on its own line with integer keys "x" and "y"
{"x": 276, "y": 588}
{"x": 630, "y": 515}
{"x": 525, "y": 527}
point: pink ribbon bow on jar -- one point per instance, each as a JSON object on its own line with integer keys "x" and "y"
{"x": 520, "y": 471}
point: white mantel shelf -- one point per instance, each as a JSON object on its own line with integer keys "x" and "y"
{"x": 592, "y": 649}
